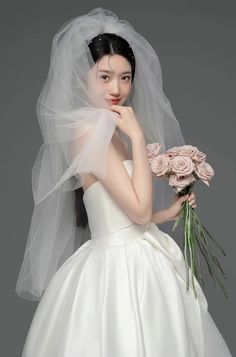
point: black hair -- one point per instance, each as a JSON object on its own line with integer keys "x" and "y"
{"x": 108, "y": 44}
{"x": 101, "y": 45}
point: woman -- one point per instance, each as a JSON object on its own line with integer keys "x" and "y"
{"x": 122, "y": 292}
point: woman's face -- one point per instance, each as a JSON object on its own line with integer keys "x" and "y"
{"x": 109, "y": 81}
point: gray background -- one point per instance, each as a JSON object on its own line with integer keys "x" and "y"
{"x": 195, "y": 42}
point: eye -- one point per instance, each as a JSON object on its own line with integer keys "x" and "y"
{"x": 104, "y": 76}
{"x": 127, "y": 77}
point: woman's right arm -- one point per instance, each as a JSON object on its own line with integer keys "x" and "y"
{"x": 142, "y": 175}
{"x": 132, "y": 194}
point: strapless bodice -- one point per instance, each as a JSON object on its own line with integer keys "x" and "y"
{"x": 105, "y": 216}
{"x": 111, "y": 226}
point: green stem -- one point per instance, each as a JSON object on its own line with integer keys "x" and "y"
{"x": 199, "y": 270}
{"x": 195, "y": 235}
{"x": 210, "y": 236}
{"x": 188, "y": 228}
{"x": 185, "y": 250}
{"x": 209, "y": 257}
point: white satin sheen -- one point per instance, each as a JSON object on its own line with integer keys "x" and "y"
{"x": 122, "y": 294}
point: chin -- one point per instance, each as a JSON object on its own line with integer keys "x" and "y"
{"x": 102, "y": 105}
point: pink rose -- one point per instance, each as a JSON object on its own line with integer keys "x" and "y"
{"x": 181, "y": 182}
{"x": 160, "y": 165}
{"x": 153, "y": 149}
{"x": 182, "y": 165}
{"x": 199, "y": 157}
{"x": 193, "y": 152}
{"x": 205, "y": 172}
{"x": 188, "y": 150}
{"x": 173, "y": 151}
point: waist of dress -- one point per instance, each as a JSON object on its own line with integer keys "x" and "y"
{"x": 129, "y": 234}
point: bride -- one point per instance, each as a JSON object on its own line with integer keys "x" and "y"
{"x": 109, "y": 281}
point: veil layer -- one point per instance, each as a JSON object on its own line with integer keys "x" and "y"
{"x": 77, "y": 135}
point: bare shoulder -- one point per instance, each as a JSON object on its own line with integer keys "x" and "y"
{"x": 119, "y": 149}
{"x": 119, "y": 184}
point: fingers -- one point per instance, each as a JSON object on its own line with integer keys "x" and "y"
{"x": 192, "y": 200}
{"x": 116, "y": 108}
{"x": 121, "y": 108}
{"x": 182, "y": 199}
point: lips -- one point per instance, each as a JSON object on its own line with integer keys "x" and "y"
{"x": 114, "y": 101}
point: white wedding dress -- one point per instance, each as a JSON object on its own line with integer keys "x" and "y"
{"x": 122, "y": 294}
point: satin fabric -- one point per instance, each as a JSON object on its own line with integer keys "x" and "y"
{"x": 122, "y": 294}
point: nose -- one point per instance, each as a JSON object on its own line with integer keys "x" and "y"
{"x": 115, "y": 88}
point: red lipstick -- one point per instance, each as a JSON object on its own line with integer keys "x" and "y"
{"x": 114, "y": 101}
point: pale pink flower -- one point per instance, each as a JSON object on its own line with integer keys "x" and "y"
{"x": 182, "y": 165}
{"x": 205, "y": 172}
{"x": 188, "y": 150}
{"x": 199, "y": 157}
{"x": 181, "y": 182}
{"x": 160, "y": 165}
{"x": 172, "y": 152}
{"x": 153, "y": 149}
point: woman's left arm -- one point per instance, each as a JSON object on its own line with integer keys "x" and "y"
{"x": 161, "y": 216}
{"x": 171, "y": 213}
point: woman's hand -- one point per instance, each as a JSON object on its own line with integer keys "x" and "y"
{"x": 127, "y": 122}
{"x": 176, "y": 206}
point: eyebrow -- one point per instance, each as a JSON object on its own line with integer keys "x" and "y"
{"x": 104, "y": 70}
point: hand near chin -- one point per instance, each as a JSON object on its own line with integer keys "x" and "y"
{"x": 127, "y": 122}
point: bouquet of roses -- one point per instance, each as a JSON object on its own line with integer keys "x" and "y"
{"x": 182, "y": 166}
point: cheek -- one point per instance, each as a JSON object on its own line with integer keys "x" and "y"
{"x": 102, "y": 87}
{"x": 127, "y": 88}
{"x": 95, "y": 88}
